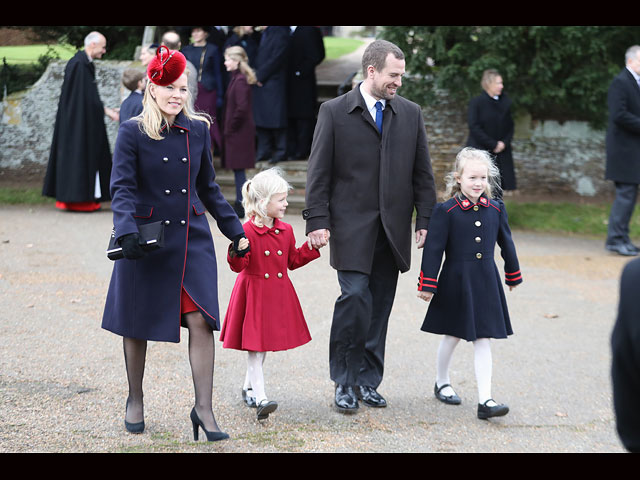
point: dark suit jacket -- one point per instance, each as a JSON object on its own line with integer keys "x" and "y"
{"x": 490, "y": 121}
{"x": 270, "y": 100}
{"x": 623, "y": 132}
{"x": 209, "y": 66}
{"x": 307, "y": 51}
{"x": 358, "y": 178}
{"x": 625, "y": 366}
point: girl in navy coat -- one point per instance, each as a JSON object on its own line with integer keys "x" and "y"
{"x": 467, "y": 298}
{"x": 163, "y": 171}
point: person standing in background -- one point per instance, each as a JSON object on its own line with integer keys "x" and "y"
{"x": 623, "y": 152}
{"x": 171, "y": 40}
{"x": 270, "y": 94}
{"x": 79, "y": 165}
{"x": 307, "y": 52}
{"x": 491, "y": 126}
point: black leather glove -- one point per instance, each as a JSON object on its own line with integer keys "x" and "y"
{"x": 131, "y": 248}
{"x": 236, "y": 241}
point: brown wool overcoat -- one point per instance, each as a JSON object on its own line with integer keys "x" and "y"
{"x": 358, "y": 179}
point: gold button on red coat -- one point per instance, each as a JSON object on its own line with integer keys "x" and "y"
{"x": 267, "y": 253}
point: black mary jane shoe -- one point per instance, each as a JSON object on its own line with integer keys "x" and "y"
{"x": 137, "y": 427}
{"x": 345, "y": 399}
{"x": 484, "y": 411}
{"x": 211, "y": 436}
{"x": 248, "y": 399}
{"x": 265, "y": 408}
{"x": 448, "y": 399}
{"x": 370, "y": 397}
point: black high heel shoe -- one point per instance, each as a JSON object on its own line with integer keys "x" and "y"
{"x": 211, "y": 436}
{"x": 133, "y": 427}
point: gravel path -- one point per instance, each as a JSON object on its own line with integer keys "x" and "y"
{"x": 63, "y": 386}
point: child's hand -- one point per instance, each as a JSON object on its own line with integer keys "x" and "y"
{"x": 426, "y": 296}
{"x": 511, "y": 287}
{"x": 243, "y": 244}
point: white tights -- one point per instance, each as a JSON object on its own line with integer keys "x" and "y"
{"x": 482, "y": 364}
{"x": 254, "y": 379}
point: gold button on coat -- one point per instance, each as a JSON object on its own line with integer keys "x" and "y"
{"x": 279, "y": 275}
{"x": 277, "y": 231}
{"x": 279, "y": 252}
{"x": 267, "y": 253}
{"x": 478, "y": 256}
{"x": 478, "y": 239}
{"x": 475, "y": 208}
{"x": 478, "y": 223}
{"x": 266, "y": 275}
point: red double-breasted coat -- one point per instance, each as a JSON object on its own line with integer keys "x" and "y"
{"x": 264, "y": 312}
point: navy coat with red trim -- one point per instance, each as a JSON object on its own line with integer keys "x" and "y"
{"x": 469, "y": 300}
{"x": 173, "y": 181}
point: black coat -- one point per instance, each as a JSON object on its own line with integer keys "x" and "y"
{"x": 170, "y": 180}
{"x": 358, "y": 178}
{"x": 625, "y": 365}
{"x": 270, "y": 100}
{"x": 490, "y": 121}
{"x": 623, "y": 132}
{"x": 307, "y": 52}
{"x": 469, "y": 300}
{"x": 80, "y": 146}
{"x": 209, "y": 66}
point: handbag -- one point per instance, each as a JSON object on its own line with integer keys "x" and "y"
{"x": 151, "y": 238}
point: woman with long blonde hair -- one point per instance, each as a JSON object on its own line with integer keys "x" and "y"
{"x": 239, "y": 130}
{"x": 163, "y": 173}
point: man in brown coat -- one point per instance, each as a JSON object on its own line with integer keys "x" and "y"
{"x": 369, "y": 168}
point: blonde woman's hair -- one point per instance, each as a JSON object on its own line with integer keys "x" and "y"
{"x": 466, "y": 154}
{"x": 257, "y": 192}
{"x": 152, "y": 121}
{"x": 238, "y": 54}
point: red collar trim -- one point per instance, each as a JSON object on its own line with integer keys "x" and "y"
{"x": 466, "y": 204}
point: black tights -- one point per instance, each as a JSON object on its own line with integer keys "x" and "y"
{"x": 201, "y": 358}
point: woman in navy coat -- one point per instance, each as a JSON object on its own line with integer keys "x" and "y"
{"x": 162, "y": 171}
{"x": 491, "y": 126}
{"x": 468, "y": 299}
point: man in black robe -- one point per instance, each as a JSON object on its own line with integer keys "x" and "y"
{"x": 79, "y": 166}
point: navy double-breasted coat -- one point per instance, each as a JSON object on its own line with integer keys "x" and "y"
{"x": 171, "y": 180}
{"x": 468, "y": 300}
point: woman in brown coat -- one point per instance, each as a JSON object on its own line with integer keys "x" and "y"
{"x": 239, "y": 130}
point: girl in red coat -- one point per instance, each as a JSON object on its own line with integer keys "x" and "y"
{"x": 264, "y": 312}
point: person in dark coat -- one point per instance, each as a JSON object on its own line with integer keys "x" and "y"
{"x": 625, "y": 359}
{"x": 134, "y": 80}
{"x": 207, "y": 58}
{"x": 247, "y": 38}
{"x": 364, "y": 180}
{"x": 79, "y": 165}
{"x": 163, "y": 171}
{"x": 491, "y": 126}
{"x": 468, "y": 299}
{"x": 623, "y": 152}
{"x": 238, "y": 152}
{"x": 270, "y": 94}
{"x": 307, "y": 52}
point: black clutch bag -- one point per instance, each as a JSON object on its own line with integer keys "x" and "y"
{"x": 151, "y": 238}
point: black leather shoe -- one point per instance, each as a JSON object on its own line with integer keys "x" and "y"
{"x": 625, "y": 249}
{"x": 137, "y": 427}
{"x": 265, "y": 408}
{"x": 448, "y": 399}
{"x": 485, "y": 412}
{"x": 370, "y": 397}
{"x": 248, "y": 400}
{"x": 346, "y": 401}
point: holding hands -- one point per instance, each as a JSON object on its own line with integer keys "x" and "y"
{"x": 318, "y": 238}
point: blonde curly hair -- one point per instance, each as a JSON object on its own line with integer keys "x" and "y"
{"x": 257, "y": 192}
{"x": 493, "y": 173}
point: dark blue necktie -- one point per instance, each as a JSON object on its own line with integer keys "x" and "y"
{"x": 379, "y": 116}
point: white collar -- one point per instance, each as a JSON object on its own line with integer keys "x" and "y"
{"x": 370, "y": 101}
{"x": 635, "y": 75}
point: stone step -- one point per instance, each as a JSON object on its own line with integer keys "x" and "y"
{"x": 295, "y": 172}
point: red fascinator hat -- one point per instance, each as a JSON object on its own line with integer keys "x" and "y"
{"x": 166, "y": 66}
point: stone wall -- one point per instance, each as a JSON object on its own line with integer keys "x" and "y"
{"x": 550, "y": 158}
{"x": 28, "y": 118}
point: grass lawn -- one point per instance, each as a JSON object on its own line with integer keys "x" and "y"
{"x": 30, "y": 53}
{"x": 336, "y": 47}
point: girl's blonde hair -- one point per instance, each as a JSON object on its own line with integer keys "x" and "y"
{"x": 238, "y": 54}
{"x": 152, "y": 121}
{"x": 466, "y": 154}
{"x": 257, "y": 192}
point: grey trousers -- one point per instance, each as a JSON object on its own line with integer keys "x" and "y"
{"x": 621, "y": 212}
